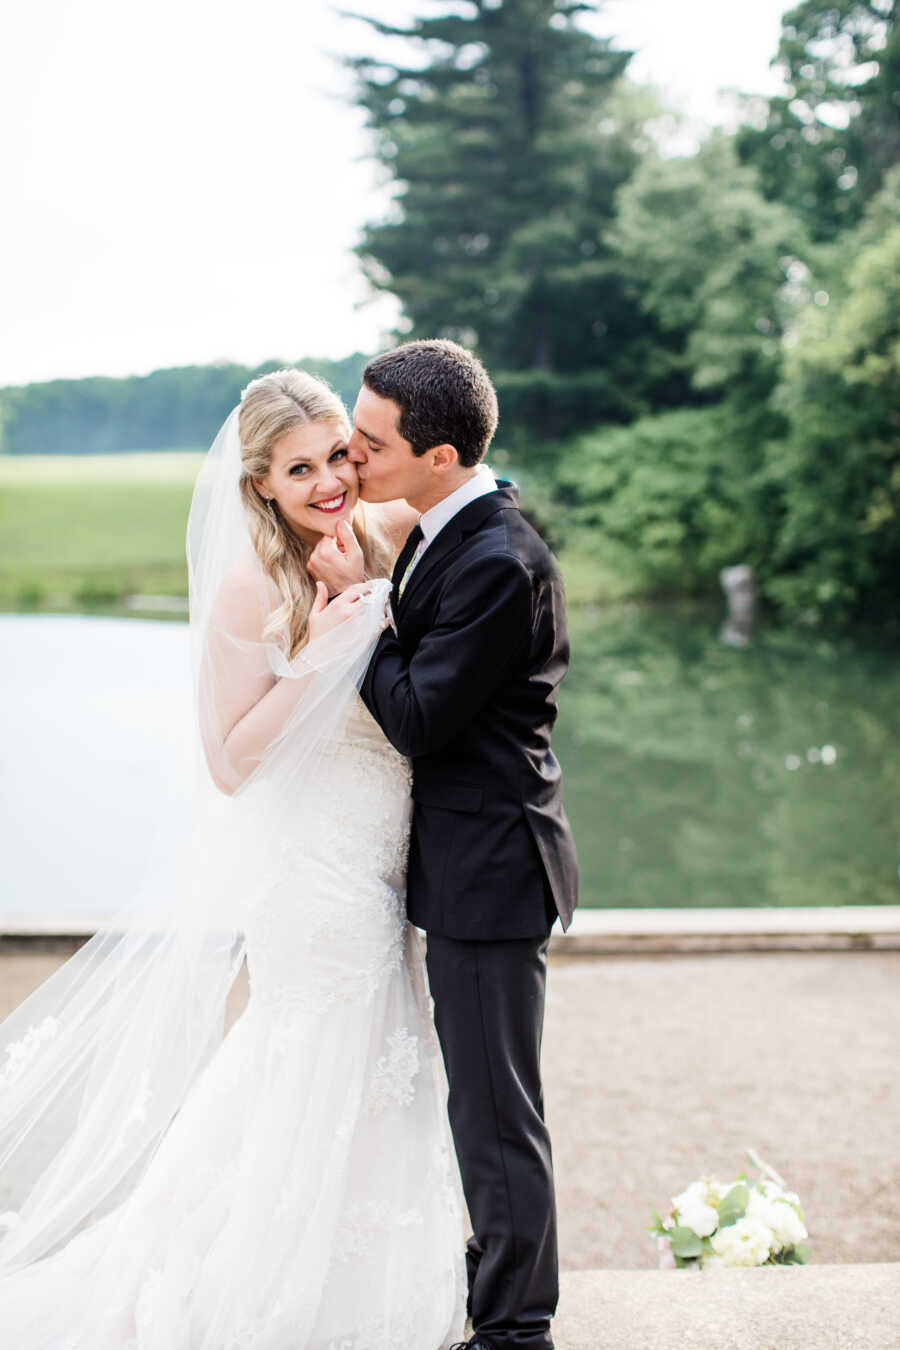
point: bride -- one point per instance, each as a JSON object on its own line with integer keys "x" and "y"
{"x": 290, "y": 1185}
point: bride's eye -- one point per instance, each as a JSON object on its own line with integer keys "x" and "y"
{"x": 340, "y": 454}
{"x": 297, "y": 469}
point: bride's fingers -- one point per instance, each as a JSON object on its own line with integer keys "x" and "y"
{"x": 323, "y": 552}
{"x": 345, "y": 539}
{"x": 321, "y": 601}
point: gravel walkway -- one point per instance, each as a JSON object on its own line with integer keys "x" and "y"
{"x": 658, "y": 1069}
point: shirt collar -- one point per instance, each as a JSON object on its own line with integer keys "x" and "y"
{"x": 436, "y": 517}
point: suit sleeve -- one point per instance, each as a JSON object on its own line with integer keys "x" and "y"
{"x": 482, "y": 628}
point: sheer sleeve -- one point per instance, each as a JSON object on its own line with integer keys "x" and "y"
{"x": 244, "y": 704}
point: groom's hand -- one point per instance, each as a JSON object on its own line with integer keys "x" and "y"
{"x": 338, "y": 561}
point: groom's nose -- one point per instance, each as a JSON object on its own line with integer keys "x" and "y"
{"x": 356, "y": 449}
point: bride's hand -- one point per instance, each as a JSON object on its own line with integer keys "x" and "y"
{"x": 337, "y": 561}
{"x": 324, "y": 616}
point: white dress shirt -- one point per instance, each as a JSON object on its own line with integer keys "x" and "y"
{"x": 436, "y": 517}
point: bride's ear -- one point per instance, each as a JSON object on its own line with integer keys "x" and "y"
{"x": 260, "y": 485}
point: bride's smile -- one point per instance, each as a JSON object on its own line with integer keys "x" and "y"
{"x": 331, "y": 505}
{"x": 311, "y": 481}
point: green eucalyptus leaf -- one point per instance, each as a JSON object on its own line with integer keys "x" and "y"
{"x": 733, "y": 1206}
{"x": 685, "y": 1242}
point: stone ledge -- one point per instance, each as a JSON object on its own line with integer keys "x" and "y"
{"x": 635, "y": 932}
{"x": 629, "y": 932}
{"x": 852, "y": 1307}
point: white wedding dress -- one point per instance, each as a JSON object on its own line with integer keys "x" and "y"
{"x": 290, "y": 1185}
{"x": 305, "y": 1195}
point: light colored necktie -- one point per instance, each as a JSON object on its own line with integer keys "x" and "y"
{"x": 410, "y": 565}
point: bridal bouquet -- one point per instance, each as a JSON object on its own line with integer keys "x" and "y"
{"x": 737, "y": 1223}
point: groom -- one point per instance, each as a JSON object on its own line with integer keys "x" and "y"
{"x": 466, "y": 687}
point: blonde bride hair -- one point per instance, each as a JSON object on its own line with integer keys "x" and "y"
{"x": 271, "y": 406}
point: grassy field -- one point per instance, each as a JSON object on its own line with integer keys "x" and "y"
{"x": 81, "y": 531}
{"x": 89, "y": 531}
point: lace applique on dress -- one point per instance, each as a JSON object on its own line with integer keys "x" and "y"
{"x": 250, "y": 1333}
{"x": 366, "y": 1225}
{"x": 138, "y": 1111}
{"x": 380, "y": 1333}
{"x": 392, "y": 1080}
{"x": 20, "y": 1054}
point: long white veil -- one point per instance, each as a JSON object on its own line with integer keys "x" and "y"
{"x": 95, "y": 1064}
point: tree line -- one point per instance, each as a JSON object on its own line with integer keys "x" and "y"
{"x": 180, "y": 407}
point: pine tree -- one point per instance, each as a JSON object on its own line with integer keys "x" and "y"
{"x": 507, "y": 143}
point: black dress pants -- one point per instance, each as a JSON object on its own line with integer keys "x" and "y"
{"x": 489, "y": 1012}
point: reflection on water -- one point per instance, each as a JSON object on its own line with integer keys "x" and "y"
{"x": 698, "y": 774}
{"x": 96, "y": 756}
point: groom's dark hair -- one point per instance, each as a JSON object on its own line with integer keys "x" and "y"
{"x": 444, "y": 394}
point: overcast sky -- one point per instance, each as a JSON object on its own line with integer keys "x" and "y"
{"x": 183, "y": 181}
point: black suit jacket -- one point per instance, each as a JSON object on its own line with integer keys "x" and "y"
{"x": 467, "y": 688}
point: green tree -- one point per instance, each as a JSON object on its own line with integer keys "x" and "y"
{"x": 713, "y": 263}
{"x": 506, "y": 143}
{"x": 719, "y": 269}
{"x": 670, "y": 499}
{"x": 837, "y": 554}
{"x": 824, "y": 145}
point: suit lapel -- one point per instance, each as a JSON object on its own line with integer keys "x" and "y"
{"x": 465, "y": 522}
{"x": 440, "y": 547}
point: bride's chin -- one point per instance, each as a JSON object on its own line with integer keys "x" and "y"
{"x": 327, "y": 524}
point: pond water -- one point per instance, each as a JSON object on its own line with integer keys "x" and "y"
{"x": 97, "y": 754}
{"x": 696, "y": 774}
{"x": 700, "y": 774}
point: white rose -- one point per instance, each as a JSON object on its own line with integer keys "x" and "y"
{"x": 761, "y": 1209}
{"x": 772, "y": 1209}
{"x": 695, "y": 1214}
{"x": 696, "y": 1191}
{"x": 717, "y": 1190}
{"x": 745, "y": 1243}
{"x": 787, "y": 1226}
{"x": 707, "y": 1191}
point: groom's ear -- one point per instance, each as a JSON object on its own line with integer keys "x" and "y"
{"x": 443, "y": 458}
